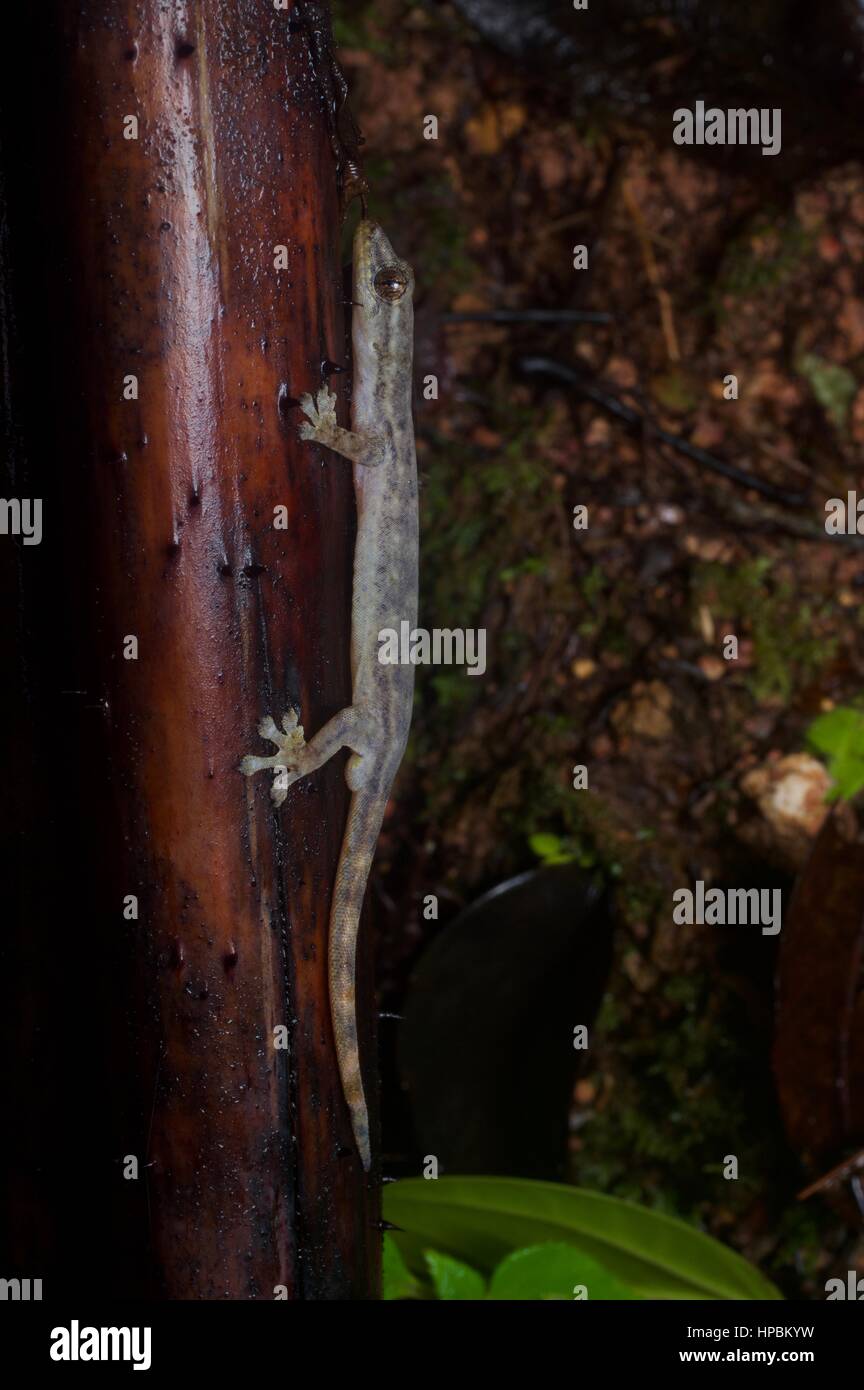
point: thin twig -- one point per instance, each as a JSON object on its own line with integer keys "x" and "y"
{"x": 664, "y": 299}
{"x": 558, "y": 371}
{"x": 835, "y": 1177}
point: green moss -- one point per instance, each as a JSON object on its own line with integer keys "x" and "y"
{"x": 802, "y": 1234}
{"x": 470, "y": 545}
{"x": 354, "y": 27}
{"x": 684, "y": 1097}
{"x": 833, "y": 386}
{"x": 593, "y": 585}
{"x": 765, "y": 256}
{"x": 676, "y": 390}
{"x": 789, "y": 645}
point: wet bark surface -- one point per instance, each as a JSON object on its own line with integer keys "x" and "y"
{"x": 153, "y": 258}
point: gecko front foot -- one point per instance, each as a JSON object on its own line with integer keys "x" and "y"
{"x": 285, "y": 762}
{"x": 321, "y": 416}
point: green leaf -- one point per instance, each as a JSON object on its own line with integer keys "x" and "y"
{"x": 550, "y": 848}
{"x": 839, "y": 735}
{"x": 452, "y": 1279}
{"x": 544, "y": 845}
{"x": 555, "y": 1271}
{"x": 480, "y": 1220}
{"x": 397, "y": 1281}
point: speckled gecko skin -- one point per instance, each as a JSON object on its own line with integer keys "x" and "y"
{"x": 375, "y": 726}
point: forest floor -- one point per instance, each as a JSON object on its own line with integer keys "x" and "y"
{"x": 607, "y": 643}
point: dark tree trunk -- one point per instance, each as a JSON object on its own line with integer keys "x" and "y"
{"x": 154, "y": 258}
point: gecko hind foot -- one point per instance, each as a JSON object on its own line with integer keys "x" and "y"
{"x": 321, "y": 415}
{"x": 284, "y": 763}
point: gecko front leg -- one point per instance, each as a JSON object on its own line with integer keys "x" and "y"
{"x": 320, "y": 425}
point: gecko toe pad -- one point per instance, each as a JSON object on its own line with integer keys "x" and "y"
{"x": 285, "y": 762}
{"x": 320, "y": 413}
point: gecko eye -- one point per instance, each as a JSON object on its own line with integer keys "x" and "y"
{"x": 391, "y": 283}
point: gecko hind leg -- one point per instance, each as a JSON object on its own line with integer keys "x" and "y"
{"x": 321, "y": 427}
{"x": 289, "y": 744}
{"x": 296, "y": 758}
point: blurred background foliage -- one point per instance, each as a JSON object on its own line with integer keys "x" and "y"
{"x": 606, "y": 645}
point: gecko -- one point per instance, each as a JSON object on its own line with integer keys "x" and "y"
{"x": 374, "y": 727}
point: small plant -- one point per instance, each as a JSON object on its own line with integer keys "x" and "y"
{"x": 511, "y": 1238}
{"x": 839, "y": 737}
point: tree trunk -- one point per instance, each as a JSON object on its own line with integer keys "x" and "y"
{"x": 154, "y": 351}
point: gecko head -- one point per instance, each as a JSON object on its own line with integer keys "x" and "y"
{"x": 383, "y": 286}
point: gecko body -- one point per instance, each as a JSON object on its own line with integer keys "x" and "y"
{"x": 375, "y": 725}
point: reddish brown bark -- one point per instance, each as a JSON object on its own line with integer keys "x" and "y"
{"x": 167, "y": 273}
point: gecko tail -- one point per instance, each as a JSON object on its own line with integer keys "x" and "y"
{"x": 355, "y": 861}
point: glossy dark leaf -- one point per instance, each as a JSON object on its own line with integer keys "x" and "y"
{"x": 487, "y": 1045}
